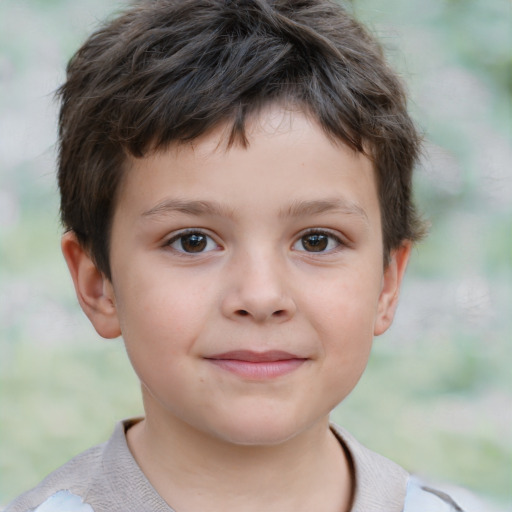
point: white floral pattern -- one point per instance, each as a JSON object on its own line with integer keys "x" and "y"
{"x": 421, "y": 498}
{"x": 63, "y": 501}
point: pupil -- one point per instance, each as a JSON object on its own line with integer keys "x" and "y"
{"x": 315, "y": 243}
{"x": 193, "y": 243}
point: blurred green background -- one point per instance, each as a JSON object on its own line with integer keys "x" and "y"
{"x": 437, "y": 395}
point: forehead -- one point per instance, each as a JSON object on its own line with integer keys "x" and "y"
{"x": 288, "y": 161}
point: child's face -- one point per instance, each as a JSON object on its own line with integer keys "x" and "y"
{"x": 248, "y": 283}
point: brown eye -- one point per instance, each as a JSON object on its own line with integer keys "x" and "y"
{"x": 192, "y": 243}
{"x": 317, "y": 241}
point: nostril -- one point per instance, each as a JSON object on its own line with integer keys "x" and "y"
{"x": 279, "y": 313}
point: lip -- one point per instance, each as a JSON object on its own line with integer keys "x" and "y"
{"x": 257, "y": 365}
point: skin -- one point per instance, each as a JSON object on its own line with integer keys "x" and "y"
{"x": 257, "y": 283}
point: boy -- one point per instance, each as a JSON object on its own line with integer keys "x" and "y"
{"x": 235, "y": 183}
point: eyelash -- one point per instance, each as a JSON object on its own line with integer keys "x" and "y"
{"x": 329, "y": 238}
{"x": 182, "y": 235}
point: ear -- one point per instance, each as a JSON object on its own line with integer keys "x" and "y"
{"x": 93, "y": 290}
{"x": 388, "y": 299}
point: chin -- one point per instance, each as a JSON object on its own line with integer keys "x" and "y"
{"x": 259, "y": 431}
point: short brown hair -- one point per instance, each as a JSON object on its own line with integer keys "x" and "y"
{"x": 170, "y": 70}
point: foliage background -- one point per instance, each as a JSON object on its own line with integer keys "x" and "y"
{"x": 437, "y": 396}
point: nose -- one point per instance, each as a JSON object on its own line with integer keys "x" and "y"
{"x": 257, "y": 290}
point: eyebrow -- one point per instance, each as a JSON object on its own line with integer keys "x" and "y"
{"x": 189, "y": 207}
{"x": 296, "y": 209}
{"x": 317, "y": 207}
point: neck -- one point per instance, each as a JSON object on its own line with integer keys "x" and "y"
{"x": 192, "y": 470}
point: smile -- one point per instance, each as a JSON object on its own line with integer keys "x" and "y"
{"x": 257, "y": 365}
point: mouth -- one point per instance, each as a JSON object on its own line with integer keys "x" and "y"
{"x": 257, "y": 365}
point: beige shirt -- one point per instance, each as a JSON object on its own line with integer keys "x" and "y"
{"x": 106, "y": 478}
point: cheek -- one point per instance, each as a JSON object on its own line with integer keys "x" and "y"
{"x": 159, "y": 330}
{"x": 346, "y": 304}
{"x": 344, "y": 313}
{"x": 159, "y": 296}
{"x": 160, "y": 318}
